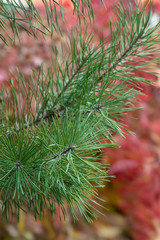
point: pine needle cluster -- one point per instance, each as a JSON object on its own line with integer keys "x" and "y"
{"x": 51, "y": 143}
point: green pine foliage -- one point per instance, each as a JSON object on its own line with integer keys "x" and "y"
{"x": 51, "y": 143}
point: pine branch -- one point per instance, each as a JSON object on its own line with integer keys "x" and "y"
{"x": 81, "y": 101}
{"x": 24, "y": 14}
{"x": 70, "y": 148}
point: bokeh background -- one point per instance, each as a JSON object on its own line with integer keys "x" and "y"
{"x": 132, "y": 197}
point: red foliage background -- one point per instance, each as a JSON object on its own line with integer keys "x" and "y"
{"x": 133, "y": 195}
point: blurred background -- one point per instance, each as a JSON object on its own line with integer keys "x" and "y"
{"x": 132, "y": 197}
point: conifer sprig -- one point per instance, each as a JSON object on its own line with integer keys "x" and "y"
{"x": 58, "y": 121}
{"x": 24, "y": 14}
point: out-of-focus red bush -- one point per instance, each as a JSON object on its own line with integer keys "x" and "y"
{"x": 135, "y": 190}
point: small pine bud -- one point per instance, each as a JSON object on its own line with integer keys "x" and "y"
{"x": 18, "y": 164}
{"x": 73, "y": 147}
